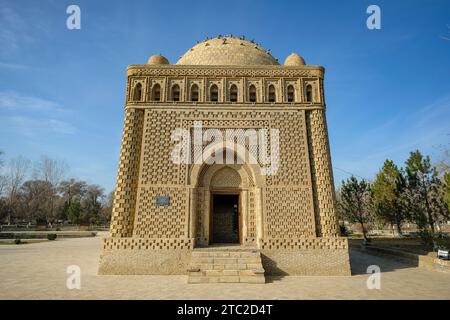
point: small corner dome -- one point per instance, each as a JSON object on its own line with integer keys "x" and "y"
{"x": 157, "y": 59}
{"x": 294, "y": 60}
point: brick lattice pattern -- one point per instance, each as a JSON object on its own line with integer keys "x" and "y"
{"x": 288, "y": 217}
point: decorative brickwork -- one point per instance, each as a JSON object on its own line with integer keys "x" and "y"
{"x": 251, "y": 223}
{"x": 304, "y": 243}
{"x": 155, "y": 221}
{"x": 322, "y": 175}
{"x": 226, "y": 84}
{"x": 127, "y": 177}
{"x": 147, "y": 243}
{"x": 289, "y": 213}
{"x": 157, "y": 166}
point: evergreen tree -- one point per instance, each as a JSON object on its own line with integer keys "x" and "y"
{"x": 387, "y": 192}
{"x": 422, "y": 181}
{"x": 74, "y": 212}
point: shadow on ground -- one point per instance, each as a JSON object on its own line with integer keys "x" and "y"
{"x": 360, "y": 261}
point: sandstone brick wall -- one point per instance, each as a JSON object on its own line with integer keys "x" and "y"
{"x": 290, "y": 216}
{"x": 306, "y": 256}
{"x": 322, "y": 174}
{"x": 127, "y": 177}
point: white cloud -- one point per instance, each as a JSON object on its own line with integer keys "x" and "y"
{"x": 14, "y": 101}
{"x": 33, "y": 117}
{"x": 13, "y": 30}
{"x": 33, "y": 127}
{"x": 425, "y": 129}
{"x": 14, "y": 66}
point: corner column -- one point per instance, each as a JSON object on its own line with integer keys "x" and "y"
{"x": 322, "y": 174}
{"x": 127, "y": 177}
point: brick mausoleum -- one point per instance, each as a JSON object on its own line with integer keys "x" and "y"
{"x": 271, "y": 211}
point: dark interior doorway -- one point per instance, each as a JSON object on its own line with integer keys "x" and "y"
{"x": 225, "y": 218}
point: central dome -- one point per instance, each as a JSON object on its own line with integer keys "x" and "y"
{"x": 227, "y": 51}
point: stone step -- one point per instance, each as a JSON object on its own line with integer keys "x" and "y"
{"x": 225, "y": 260}
{"x": 246, "y": 272}
{"x": 227, "y": 279}
{"x": 222, "y": 266}
{"x": 226, "y": 266}
{"x": 219, "y": 254}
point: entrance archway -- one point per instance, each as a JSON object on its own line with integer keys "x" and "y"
{"x": 226, "y": 224}
{"x": 231, "y": 184}
{"x": 226, "y": 213}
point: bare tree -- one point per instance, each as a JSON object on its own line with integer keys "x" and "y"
{"x": 355, "y": 203}
{"x": 33, "y": 198}
{"x": 92, "y": 203}
{"x": 52, "y": 172}
{"x": 3, "y": 184}
{"x": 107, "y": 207}
{"x": 15, "y": 175}
{"x": 72, "y": 188}
{"x": 2, "y": 176}
{"x": 443, "y": 165}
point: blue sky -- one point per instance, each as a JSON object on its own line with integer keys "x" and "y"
{"x": 62, "y": 91}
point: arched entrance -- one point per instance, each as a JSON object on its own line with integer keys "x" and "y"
{"x": 226, "y": 203}
{"x": 225, "y": 213}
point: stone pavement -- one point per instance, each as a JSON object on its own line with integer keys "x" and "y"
{"x": 38, "y": 271}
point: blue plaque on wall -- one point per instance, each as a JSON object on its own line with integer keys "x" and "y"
{"x": 162, "y": 200}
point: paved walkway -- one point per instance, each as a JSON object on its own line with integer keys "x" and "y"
{"x": 38, "y": 271}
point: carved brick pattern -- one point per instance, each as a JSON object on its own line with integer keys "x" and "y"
{"x": 228, "y": 122}
{"x": 161, "y": 221}
{"x": 254, "y": 149}
{"x": 322, "y": 175}
{"x": 267, "y": 71}
{"x": 201, "y": 203}
{"x": 304, "y": 243}
{"x": 226, "y": 177}
{"x": 289, "y": 212}
{"x": 251, "y": 227}
{"x": 296, "y": 205}
{"x": 206, "y": 115}
{"x": 293, "y": 167}
{"x": 157, "y": 166}
{"x": 147, "y": 244}
{"x": 127, "y": 177}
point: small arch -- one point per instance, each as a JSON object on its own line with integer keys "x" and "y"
{"x": 194, "y": 92}
{"x": 214, "y": 93}
{"x": 156, "y": 92}
{"x": 252, "y": 93}
{"x": 290, "y": 93}
{"x": 309, "y": 93}
{"x": 272, "y": 94}
{"x": 175, "y": 93}
{"x": 137, "y": 92}
{"x": 254, "y": 169}
{"x": 233, "y": 93}
{"x": 226, "y": 177}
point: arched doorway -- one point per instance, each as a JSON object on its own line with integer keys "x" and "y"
{"x": 233, "y": 190}
{"x": 226, "y": 213}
